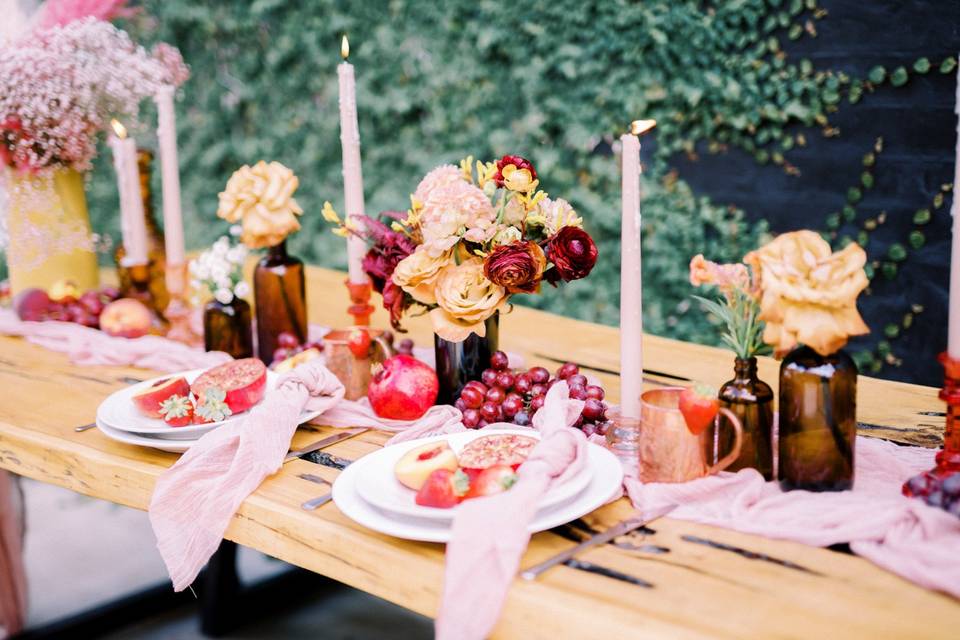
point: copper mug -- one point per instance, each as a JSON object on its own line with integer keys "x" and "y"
{"x": 668, "y": 451}
{"x": 352, "y": 371}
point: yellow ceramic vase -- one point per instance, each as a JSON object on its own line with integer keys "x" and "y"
{"x": 49, "y": 231}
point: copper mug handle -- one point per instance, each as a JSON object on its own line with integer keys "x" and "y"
{"x": 734, "y": 453}
{"x": 387, "y": 351}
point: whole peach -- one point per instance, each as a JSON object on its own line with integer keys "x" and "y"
{"x": 126, "y": 318}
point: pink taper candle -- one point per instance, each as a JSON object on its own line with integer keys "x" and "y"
{"x": 352, "y": 173}
{"x": 133, "y": 224}
{"x": 631, "y": 288}
{"x": 953, "y": 333}
{"x": 170, "y": 174}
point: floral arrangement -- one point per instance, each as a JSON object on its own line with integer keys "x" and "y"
{"x": 260, "y": 199}
{"x": 59, "y": 87}
{"x": 474, "y": 236}
{"x": 795, "y": 288}
{"x": 218, "y": 271}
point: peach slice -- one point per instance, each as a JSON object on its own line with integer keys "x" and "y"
{"x": 416, "y": 465}
{"x": 148, "y": 401}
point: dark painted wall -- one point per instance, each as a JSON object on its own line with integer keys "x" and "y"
{"x": 918, "y": 125}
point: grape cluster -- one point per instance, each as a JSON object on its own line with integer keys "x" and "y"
{"x": 288, "y": 346}
{"x": 502, "y": 395}
{"x": 405, "y": 346}
{"x": 36, "y": 305}
{"x": 936, "y": 491}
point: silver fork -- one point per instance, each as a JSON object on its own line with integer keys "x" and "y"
{"x": 321, "y": 500}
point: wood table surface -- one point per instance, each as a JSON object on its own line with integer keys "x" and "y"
{"x": 699, "y": 591}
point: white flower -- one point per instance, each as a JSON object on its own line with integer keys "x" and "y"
{"x": 199, "y": 269}
{"x": 221, "y": 246}
{"x": 237, "y": 254}
{"x": 225, "y": 283}
{"x": 242, "y": 290}
{"x": 219, "y": 272}
{"x": 507, "y": 235}
{"x": 223, "y": 295}
{"x": 236, "y": 230}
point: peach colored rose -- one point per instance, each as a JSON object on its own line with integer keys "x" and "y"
{"x": 417, "y": 273}
{"x": 726, "y": 277}
{"x": 465, "y": 299}
{"x": 261, "y": 199}
{"x": 808, "y": 293}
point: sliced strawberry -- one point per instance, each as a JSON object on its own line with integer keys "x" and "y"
{"x": 492, "y": 480}
{"x": 177, "y": 410}
{"x": 443, "y": 489}
{"x": 699, "y": 405}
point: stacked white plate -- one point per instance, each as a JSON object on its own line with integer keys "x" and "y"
{"x": 119, "y": 419}
{"x": 368, "y": 492}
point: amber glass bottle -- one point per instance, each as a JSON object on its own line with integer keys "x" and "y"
{"x": 751, "y": 400}
{"x": 818, "y": 420}
{"x": 227, "y": 327}
{"x": 279, "y": 288}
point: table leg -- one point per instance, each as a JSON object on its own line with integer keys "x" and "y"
{"x": 219, "y": 587}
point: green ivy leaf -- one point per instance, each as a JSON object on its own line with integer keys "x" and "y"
{"x": 795, "y": 32}
{"x": 917, "y": 239}
{"x": 922, "y": 216}
{"x": 922, "y": 65}
{"x": 854, "y": 195}
{"x": 891, "y": 331}
{"x": 899, "y": 77}
{"x": 948, "y": 65}
{"x": 849, "y": 213}
{"x": 869, "y": 159}
{"x": 889, "y": 270}
{"x": 897, "y": 252}
{"x": 938, "y": 200}
{"x": 866, "y": 179}
{"x": 833, "y": 221}
{"x": 877, "y": 74}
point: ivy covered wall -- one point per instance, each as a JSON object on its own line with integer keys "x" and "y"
{"x": 768, "y": 110}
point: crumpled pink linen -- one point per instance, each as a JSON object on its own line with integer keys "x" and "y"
{"x": 903, "y": 535}
{"x": 86, "y": 346}
{"x": 13, "y": 580}
{"x": 490, "y": 534}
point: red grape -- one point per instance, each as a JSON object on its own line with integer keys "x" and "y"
{"x": 471, "y": 397}
{"x": 522, "y": 383}
{"x": 91, "y": 302}
{"x": 536, "y": 403}
{"x": 459, "y": 404}
{"x": 482, "y": 423}
{"x": 470, "y": 418}
{"x": 479, "y": 386}
{"x": 567, "y": 370}
{"x": 489, "y": 377}
{"x": 495, "y": 395}
{"x": 499, "y": 361}
{"x": 522, "y": 418}
{"x": 280, "y": 354}
{"x": 578, "y": 393}
{"x": 405, "y": 346}
{"x": 490, "y": 412}
{"x": 593, "y": 409}
{"x": 589, "y": 429}
{"x": 603, "y": 427}
{"x": 539, "y": 375}
{"x": 593, "y": 391}
{"x": 512, "y": 405}
{"x": 505, "y": 380}
{"x": 577, "y": 380}
{"x": 538, "y": 390}
{"x": 287, "y": 340}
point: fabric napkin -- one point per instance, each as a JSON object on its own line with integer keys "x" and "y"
{"x": 903, "y": 535}
{"x": 86, "y": 346}
{"x": 490, "y": 534}
{"x": 13, "y": 582}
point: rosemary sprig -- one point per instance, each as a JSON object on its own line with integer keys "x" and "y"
{"x": 740, "y": 314}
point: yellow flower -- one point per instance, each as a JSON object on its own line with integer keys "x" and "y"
{"x": 261, "y": 198}
{"x": 466, "y": 168}
{"x": 554, "y": 215}
{"x": 329, "y": 214}
{"x": 519, "y": 180}
{"x": 465, "y": 299}
{"x": 417, "y": 273}
{"x": 808, "y": 293}
{"x": 485, "y": 173}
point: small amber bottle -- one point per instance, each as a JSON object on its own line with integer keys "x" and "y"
{"x": 279, "y": 289}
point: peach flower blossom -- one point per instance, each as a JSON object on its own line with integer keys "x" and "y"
{"x": 261, "y": 199}
{"x": 442, "y": 176}
{"x": 417, "y": 273}
{"x": 808, "y": 292}
{"x": 454, "y": 210}
{"x": 726, "y": 277}
{"x": 465, "y": 299}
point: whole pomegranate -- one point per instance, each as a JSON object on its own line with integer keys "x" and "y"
{"x": 403, "y": 388}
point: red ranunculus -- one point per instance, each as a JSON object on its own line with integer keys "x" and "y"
{"x": 517, "y": 267}
{"x": 573, "y": 254}
{"x": 394, "y": 301}
{"x": 519, "y": 162}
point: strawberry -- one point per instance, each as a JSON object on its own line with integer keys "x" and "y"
{"x": 699, "y": 405}
{"x": 443, "y": 489}
{"x": 177, "y": 410}
{"x": 359, "y": 343}
{"x": 492, "y": 480}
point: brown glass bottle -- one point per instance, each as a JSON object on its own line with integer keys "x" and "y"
{"x": 751, "y": 400}
{"x": 279, "y": 288}
{"x": 151, "y": 290}
{"x": 818, "y": 420}
{"x": 227, "y": 327}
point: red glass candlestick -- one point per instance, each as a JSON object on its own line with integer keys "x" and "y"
{"x": 948, "y": 458}
{"x": 360, "y": 308}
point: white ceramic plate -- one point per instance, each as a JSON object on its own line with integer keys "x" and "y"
{"x": 173, "y": 446}
{"x": 119, "y": 413}
{"x": 605, "y": 481}
{"x": 378, "y": 485}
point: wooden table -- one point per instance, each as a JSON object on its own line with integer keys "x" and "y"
{"x": 699, "y": 591}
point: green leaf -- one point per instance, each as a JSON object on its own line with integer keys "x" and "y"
{"x": 948, "y": 65}
{"x": 917, "y": 239}
{"x": 889, "y": 270}
{"x": 849, "y": 213}
{"x": 833, "y": 221}
{"x": 877, "y": 74}
{"x": 854, "y": 195}
{"x": 922, "y": 65}
{"x": 899, "y": 77}
{"x": 897, "y": 252}
{"x": 866, "y": 179}
{"x": 869, "y": 159}
{"x": 922, "y": 216}
{"x": 891, "y": 330}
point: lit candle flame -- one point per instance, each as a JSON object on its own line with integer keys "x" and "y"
{"x": 119, "y": 129}
{"x": 640, "y": 127}
{"x": 344, "y": 48}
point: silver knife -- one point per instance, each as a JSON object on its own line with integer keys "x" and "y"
{"x": 324, "y": 442}
{"x": 606, "y": 572}
{"x": 619, "y": 529}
